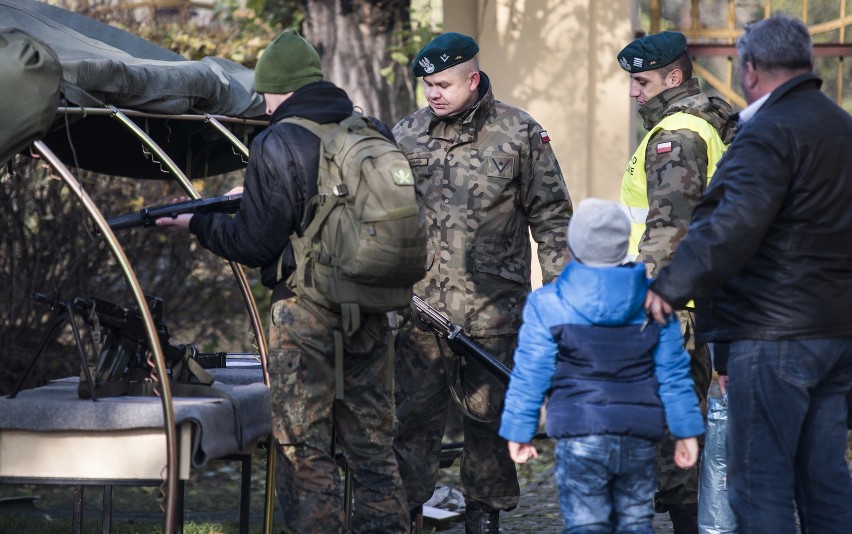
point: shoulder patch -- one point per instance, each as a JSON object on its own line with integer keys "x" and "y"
{"x": 544, "y": 137}
{"x": 663, "y": 148}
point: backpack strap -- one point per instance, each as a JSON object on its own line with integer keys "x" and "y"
{"x": 331, "y": 135}
{"x": 338, "y": 363}
{"x": 332, "y": 138}
{"x": 350, "y": 317}
{"x": 337, "y": 335}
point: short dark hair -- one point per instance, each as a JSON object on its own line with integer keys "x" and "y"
{"x": 683, "y": 62}
{"x": 779, "y": 42}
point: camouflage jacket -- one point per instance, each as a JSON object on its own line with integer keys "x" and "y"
{"x": 677, "y": 179}
{"x": 487, "y": 179}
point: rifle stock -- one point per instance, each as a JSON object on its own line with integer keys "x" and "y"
{"x": 147, "y": 216}
{"x": 459, "y": 341}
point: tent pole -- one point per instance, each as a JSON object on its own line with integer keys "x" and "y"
{"x": 242, "y": 281}
{"x": 150, "y": 329}
{"x": 269, "y": 495}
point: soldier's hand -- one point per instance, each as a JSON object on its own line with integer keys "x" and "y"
{"x": 179, "y": 223}
{"x": 657, "y": 307}
{"x": 522, "y": 452}
{"x": 686, "y": 452}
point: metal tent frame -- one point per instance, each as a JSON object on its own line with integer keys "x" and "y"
{"x": 168, "y": 165}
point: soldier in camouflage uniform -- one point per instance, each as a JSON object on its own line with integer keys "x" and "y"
{"x": 663, "y": 182}
{"x": 307, "y": 418}
{"x": 488, "y": 177}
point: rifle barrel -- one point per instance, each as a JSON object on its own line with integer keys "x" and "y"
{"x": 147, "y": 216}
{"x": 459, "y": 341}
{"x": 465, "y": 345}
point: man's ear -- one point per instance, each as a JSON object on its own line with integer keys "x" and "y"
{"x": 749, "y": 77}
{"x": 473, "y": 80}
{"x": 675, "y": 78}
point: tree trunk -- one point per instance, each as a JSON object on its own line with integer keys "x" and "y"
{"x": 355, "y": 39}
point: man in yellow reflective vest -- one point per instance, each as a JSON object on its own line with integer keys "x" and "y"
{"x": 664, "y": 180}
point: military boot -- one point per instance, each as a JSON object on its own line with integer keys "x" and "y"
{"x": 684, "y": 518}
{"x": 480, "y": 519}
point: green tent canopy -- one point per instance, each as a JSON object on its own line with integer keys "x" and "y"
{"x": 77, "y": 62}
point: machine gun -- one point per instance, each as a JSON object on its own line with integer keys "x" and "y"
{"x": 147, "y": 216}
{"x": 120, "y": 360}
{"x": 123, "y": 350}
{"x": 458, "y": 340}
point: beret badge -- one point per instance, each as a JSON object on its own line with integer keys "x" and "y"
{"x": 652, "y": 51}
{"x": 427, "y": 65}
{"x": 442, "y": 52}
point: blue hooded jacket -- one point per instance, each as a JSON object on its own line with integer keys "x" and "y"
{"x": 585, "y": 343}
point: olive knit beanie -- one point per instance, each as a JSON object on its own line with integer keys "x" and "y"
{"x": 288, "y": 63}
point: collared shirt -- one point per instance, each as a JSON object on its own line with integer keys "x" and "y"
{"x": 752, "y": 108}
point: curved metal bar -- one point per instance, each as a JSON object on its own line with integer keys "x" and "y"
{"x": 84, "y": 111}
{"x": 269, "y": 494}
{"x": 155, "y": 148}
{"x": 242, "y": 281}
{"x": 187, "y": 186}
{"x": 214, "y": 122}
{"x": 150, "y": 329}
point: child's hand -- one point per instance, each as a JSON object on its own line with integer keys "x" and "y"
{"x": 686, "y": 452}
{"x": 521, "y": 452}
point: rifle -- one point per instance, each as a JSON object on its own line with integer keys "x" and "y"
{"x": 147, "y": 216}
{"x": 119, "y": 361}
{"x": 458, "y": 340}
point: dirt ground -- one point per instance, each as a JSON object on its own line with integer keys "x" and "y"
{"x": 537, "y": 513}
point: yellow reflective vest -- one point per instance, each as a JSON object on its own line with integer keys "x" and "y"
{"x": 634, "y": 184}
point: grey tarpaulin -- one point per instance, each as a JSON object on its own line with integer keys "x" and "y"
{"x": 105, "y": 65}
{"x": 221, "y": 426}
{"x": 31, "y": 71}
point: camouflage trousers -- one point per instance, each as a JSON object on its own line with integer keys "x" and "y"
{"x": 307, "y": 420}
{"x": 678, "y": 486}
{"x": 423, "y": 393}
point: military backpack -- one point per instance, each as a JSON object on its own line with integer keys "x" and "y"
{"x": 366, "y": 245}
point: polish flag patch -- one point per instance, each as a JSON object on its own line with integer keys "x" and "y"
{"x": 663, "y": 148}
{"x": 544, "y": 137}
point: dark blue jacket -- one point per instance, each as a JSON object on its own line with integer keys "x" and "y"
{"x": 583, "y": 343}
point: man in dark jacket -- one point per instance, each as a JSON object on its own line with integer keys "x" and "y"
{"x": 280, "y": 179}
{"x": 768, "y": 257}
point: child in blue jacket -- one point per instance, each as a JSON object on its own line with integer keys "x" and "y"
{"x": 613, "y": 380}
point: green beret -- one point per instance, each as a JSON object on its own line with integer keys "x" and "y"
{"x": 289, "y": 62}
{"x": 652, "y": 51}
{"x": 446, "y": 50}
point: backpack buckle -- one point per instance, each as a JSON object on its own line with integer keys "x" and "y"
{"x": 340, "y": 190}
{"x": 323, "y": 258}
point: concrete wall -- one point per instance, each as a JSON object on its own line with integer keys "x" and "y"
{"x": 556, "y": 60}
